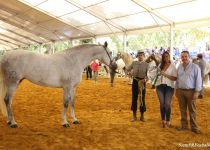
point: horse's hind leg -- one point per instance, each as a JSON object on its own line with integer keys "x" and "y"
{"x": 8, "y": 102}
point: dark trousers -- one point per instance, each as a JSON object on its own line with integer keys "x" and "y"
{"x": 135, "y": 94}
{"x": 88, "y": 72}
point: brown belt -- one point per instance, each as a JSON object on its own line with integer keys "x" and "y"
{"x": 187, "y": 89}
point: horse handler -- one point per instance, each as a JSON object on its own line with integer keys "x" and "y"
{"x": 139, "y": 68}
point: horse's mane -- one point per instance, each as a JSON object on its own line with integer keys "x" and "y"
{"x": 80, "y": 47}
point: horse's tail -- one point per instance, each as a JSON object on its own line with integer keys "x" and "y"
{"x": 3, "y": 90}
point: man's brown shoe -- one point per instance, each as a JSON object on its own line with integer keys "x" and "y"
{"x": 196, "y": 131}
{"x": 182, "y": 129}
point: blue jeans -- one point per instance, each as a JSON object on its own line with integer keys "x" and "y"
{"x": 165, "y": 94}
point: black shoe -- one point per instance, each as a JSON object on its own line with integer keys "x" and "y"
{"x": 142, "y": 117}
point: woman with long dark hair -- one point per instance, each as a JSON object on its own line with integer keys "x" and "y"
{"x": 165, "y": 87}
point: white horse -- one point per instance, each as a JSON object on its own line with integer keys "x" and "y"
{"x": 207, "y": 73}
{"x": 206, "y": 70}
{"x": 122, "y": 60}
{"x": 60, "y": 70}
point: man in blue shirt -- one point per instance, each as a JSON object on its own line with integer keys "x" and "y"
{"x": 188, "y": 85}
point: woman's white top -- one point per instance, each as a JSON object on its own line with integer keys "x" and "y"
{"x": 171, "y": 71}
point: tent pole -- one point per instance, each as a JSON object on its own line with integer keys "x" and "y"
{"x": 125, "y": 42}
{"x": 171, "y": 41}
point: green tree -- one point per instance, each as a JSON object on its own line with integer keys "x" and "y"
{"x": 86, "y": 41}
{"x": 61, "y": 45}
{"x": 117, "y": 43}
{"x": 186, "y": 38}
{"x": 149, "y": 40}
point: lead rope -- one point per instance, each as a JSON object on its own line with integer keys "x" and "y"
{"x": 140, "y": 87}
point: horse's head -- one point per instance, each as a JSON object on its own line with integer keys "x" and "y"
{"x": 155, "y": 58}
{"x": 120, "y": 62}
{"x": 107, "y": 59}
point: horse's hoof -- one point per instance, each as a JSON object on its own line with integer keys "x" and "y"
{"x": 76, "y": 122}
{"x": 13, "y": 126}
{"x": 66, "y": 125}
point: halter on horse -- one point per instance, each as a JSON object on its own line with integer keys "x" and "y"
{"x": 60, "y": 70}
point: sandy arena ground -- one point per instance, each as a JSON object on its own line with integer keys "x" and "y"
{"x": 104, "y": 113}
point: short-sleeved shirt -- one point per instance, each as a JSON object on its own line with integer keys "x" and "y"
{"x": 171, "y": 71}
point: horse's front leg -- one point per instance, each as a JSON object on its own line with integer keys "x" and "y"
{"x": 74, "y": 119}
{"x": 65, "y": 107}
{"x": 68, "y": 98}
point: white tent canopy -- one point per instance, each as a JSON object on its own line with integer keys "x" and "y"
{"x": 26, "y": 22}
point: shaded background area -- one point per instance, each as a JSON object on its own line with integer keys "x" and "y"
{"x": 104, "y": 113}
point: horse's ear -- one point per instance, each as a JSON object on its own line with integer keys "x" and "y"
{"x": 105, "y": 44}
